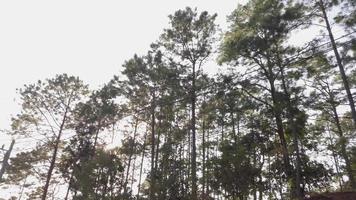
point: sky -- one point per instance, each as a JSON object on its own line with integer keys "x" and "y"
{"x": 86, "y": 38}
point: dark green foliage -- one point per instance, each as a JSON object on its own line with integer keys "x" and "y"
{"x": 99, "y": 178}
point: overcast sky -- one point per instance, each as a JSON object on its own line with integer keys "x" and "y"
{"x": 89, "y": 39}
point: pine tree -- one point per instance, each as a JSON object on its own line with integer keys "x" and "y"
{"x": 189, "y": 38}
{"x": 48, "y": 105}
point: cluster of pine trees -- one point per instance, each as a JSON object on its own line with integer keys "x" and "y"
{"x": 277, "y": 122}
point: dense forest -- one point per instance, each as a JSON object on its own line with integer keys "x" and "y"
{"x": 277, "y": 121}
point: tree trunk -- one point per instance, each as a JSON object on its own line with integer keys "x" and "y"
{"x": 204, "y": 164}
{"x": 207, "y": 173}
{"x": 340, "y": 65}
{"x": 233, "y": 125}
{"x": 336, "y": 161}
{"x": 130, "y": 156}
{"x": 6, "y": 158}
{"x": 254, "y": 161}
{"x": 347, "y": 89}
{"x": 141, "y": 167}
{"x": 133, "y": 171}
{"x": 292, "y": 124}
{"x": 260, "y": 188}
{"x": 343, "y": 149}
{"x": 22, "y": 188}
{"x": 157, "y": 143}
{"x": 69, "y": 184}
{"x": 153, "y": 124}
{"x": 280, "y": 131}
{"x": 194, "y": 151}
{"x": 54, "y": 156}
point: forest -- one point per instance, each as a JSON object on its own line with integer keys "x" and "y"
{"x": 276, "y": 121}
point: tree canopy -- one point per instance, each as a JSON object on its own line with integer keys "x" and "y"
{"x": 276, "y": 122}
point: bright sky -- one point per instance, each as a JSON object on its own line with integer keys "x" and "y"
{"x": 86, "y": 38}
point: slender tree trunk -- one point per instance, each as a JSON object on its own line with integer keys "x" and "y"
{"x": 207, "y": 173}
{"x": 343, "y": 148}
{"x": 133, "y": 171}
{"x": 254, "y": 189}
{"x": 127, "y": 175}
{"x": 22, "y": 188}
{"x": 104, "y": 191}
{"x": 95, "y": 140}
{"x": 153, "y": 126}
{"x": 157, "y": 143}
{"x": 340, "y": 65}
{"x": 204, "y": 164}
{"x": 298, "y": 179}
{"x": 194, "y": 151}
{"x": 189, "y": 155}
{"x": 54, "y": 156}
{"x": 130, "y": 157}
{"x": 292, "y": 124}
{"x": 222, "y": 125}
{"x": 141, "y": 167}
{"x": 280, "y": 131}
{"x": 69, "y": 184}
{"x": 5, "y": 161}
{"x": 233, "y": 125}
{"x": 181, "y": 174}
{"x": 337, "y": 166}
{"x": 260, "y": 188}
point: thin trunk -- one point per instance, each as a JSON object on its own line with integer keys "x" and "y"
{"x": 133, "y": 171}
{"x": 254, "y": 189}
{"x": 130, "y": 156}
{"x": 153, "y": 126}
{"x": 141, "y": 167}
{"x": 280, "y": 131}
{"x": 207, "y": 173}
{"x": 298, "y": 182}
{"x": 157, "y": 143}
{"x": 269, "y": 179}
{"x": 337, "y": 166}
{"x": 292, "y": 124}
{"x": 69, "y": 185}
{"x": 343, "y": 148}
{"x": 22, "y": 188}
{"x": 341, "y": 68}
{"x": 54, "y": 156}
{"x": 204, "y": 165}
{"x": 5, "y": 161}
{"x": 194, "y": 151}
{"x": 233, "y": 125}
{"x": 189, "y": 154}
{"x": 95, "y": 140}
{"x": 260, "y": 188}
{"x": 105, "y": 190}
{"x": 181, "y": 174}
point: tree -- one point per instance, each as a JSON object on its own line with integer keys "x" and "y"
{"x": 100, "y": 177}
{"x": 326, "y": 98}
{"x": 271, "y": 125}
{"x": 189, "y": 39}
{"x": 90, "y": 118}
{"x": 257, "y": 38}
{"x": 322, "y": 7}
{"x": 47, "y": 107}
